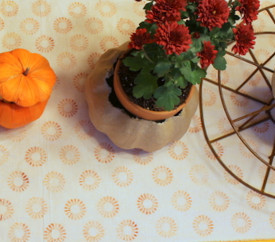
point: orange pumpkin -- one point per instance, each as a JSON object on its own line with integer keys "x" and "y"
{"x": 26, "y": 82}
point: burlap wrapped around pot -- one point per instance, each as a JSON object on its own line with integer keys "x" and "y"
{"x": 124, "y": 131}
{"x": 273, "y": 84}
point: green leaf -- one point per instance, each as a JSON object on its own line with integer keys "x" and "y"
{"x": 167, "y": 96}
{"x": 134, "y": 63}
{"x": 193, "y": 76}
{"x": 146, "y": 84}
{"x": 148, "y": 6}
{"x": 162, "y": 68}
{"x": 220, "y": 63}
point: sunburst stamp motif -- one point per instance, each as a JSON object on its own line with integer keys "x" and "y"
{"x": 44, "y": 43}
{"x": 54, "y": 181}
{"x": 196, "y": 125}
{"x": 218, "y": 147}
{"x": 235, "y": 170}
{"x": 79, "y": 80}
{"x": 178, "y": 150}
{"x": 122, "y": 176}
{"x": 67, "y": 107}
{"x": 4, "y": 154}
{"x": 209, "y": 97}
{"x": 127, "y": 230}
{"x": 238, "y": 100}
{"x": 51, "y": 130}
{"x": 62, "y": 25}
{"x": 69, "y": 154}
{"x": 77, "y": 9}
{"x": 29, "y": 26}
{"x": 75, "y": 209}
{"x": 108, "y": 42}
{"x": 89, "y": 180}
{"x": 142, "y": 157}
{"x": 84, "y": 129}
{"x": 162, "y": 175}
{"x": 241, "y": 222}
{"x": 6, "y": 209}
{"x": 255, "y": 200}
{"x": 181, "y": 201}
{"x": 19, "y": 232}
{"x": 166, "y": 227}
{"x": 93, "y": 231}
{"x": 219, "y": 201}
{"x": 92, "y": 59}
{"x": 9, "y": 8}
{"x": 18, "y": 181}
{"x": 199, "y": 174}
{"x": 11, "y": 40}
{"x": 272, "y": 219}
{"x": 36, "y": 156}
{"x": 106, "y": 8}
{"x": 2, "y": 24}
{"x": 104, "y": 153}
{"x": 94, "y": 25}
{"x": 108, "y": 207}
{"x": 41, "y": 8}
{"x": 79, "y": 42}
{"x": 203, "y": 225}
{"x": 66, "y": 60}
{"x": 125, "y": 26}
{"x": 55, "y": 232}
{"x": 147, "y": 203}
{"x": 36, "y": 207}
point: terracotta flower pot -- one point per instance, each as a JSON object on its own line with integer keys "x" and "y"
{"x": 273, "y": 84}
{"x": 138, "y": 110}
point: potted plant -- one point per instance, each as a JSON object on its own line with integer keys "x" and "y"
{"x": 158, "y": 68}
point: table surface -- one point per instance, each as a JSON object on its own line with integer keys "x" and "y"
{"x": 62, "y": 180}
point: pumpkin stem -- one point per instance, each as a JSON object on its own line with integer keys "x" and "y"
{"x": 25, "y": 73}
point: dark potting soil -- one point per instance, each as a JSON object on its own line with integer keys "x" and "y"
{"x": 127, "y": 81}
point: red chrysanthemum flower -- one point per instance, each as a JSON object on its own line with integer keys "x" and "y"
{"x": 244, "y": 37}
{"x": 207, "y": 55}
{"x": 173, "y": 37}
{"x": 139, "y": 38}
{"x": 213, "y": 13}
{"x": 166, "y": 10}
{"x": 249, "y": 10}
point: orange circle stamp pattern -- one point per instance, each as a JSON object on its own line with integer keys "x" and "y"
{"x": 54, "y": 181}
{"x": 218, "y": 149}
{"x": 79, "y": 80}
{"x": 224, "y": 126}
{"x": 141, "y": 157}
{"x": 94, "y": 25}
{"x": 203, "y": 225}
{"x": 44, "y": 43}
{"x": 41, "y": 8}
{"x": 241, "y": 222}
{"x": 238, "y": 100}
{"x": 237, "y": 171}
{"x": 272, "y": 219}
{"x": 2, "y": 24}
{"x": 196, "y": 125}
{"x": 4, "y": 154}
{"x": 6, "y": 209}
{"x": 108, "y": 207}
{"x": 92, "y": 59}
{"x": 93, "y": 231}
{"x": 125, "y": 26}
{"x": 67, "y": 107}
{"x": 122, "y": 176}
{"x": 219, "y": 201}
{"x": 166, "y": 227}
{"x": 147, "y": 203}
{"x": 19, "y": 232}
{"x": 89, "y": 180}
{"x": 199, "y": 174}
{"x": 181, "y": 201}
{"x": 178, "y": 150}
{"x": 36, "y": 207}
{"x": 36, "y": 156}
{"x": 245, "y": 151}
{"x": 255, "y": 200}
{"x": 69, "y": 154}
{"x": 162, "y": 175}
{"x": 106, "y": 8}
{"x": 77, "y": 9}
{"x": 84, "y": 129}
{"x": 62, "y": 25}
{"x": 55, "y": 232}
{"x": 75, "y": 209}
{"x": 262, "y": 128}
{"x": 108, "y": 42}
{"x": 209, "y": 97}
{"x": 9, "y": 8}
{"x": 51, "y": 130}
{"x": 104, "y": 153}
{"x": 66, "y": 60}
{"x": 11, "y": 40}
{"x": 127, "y": 230}
{"x": 18, "y": 181}
{"x": 79, "y": 42}
{"x": 29, "y": 26}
